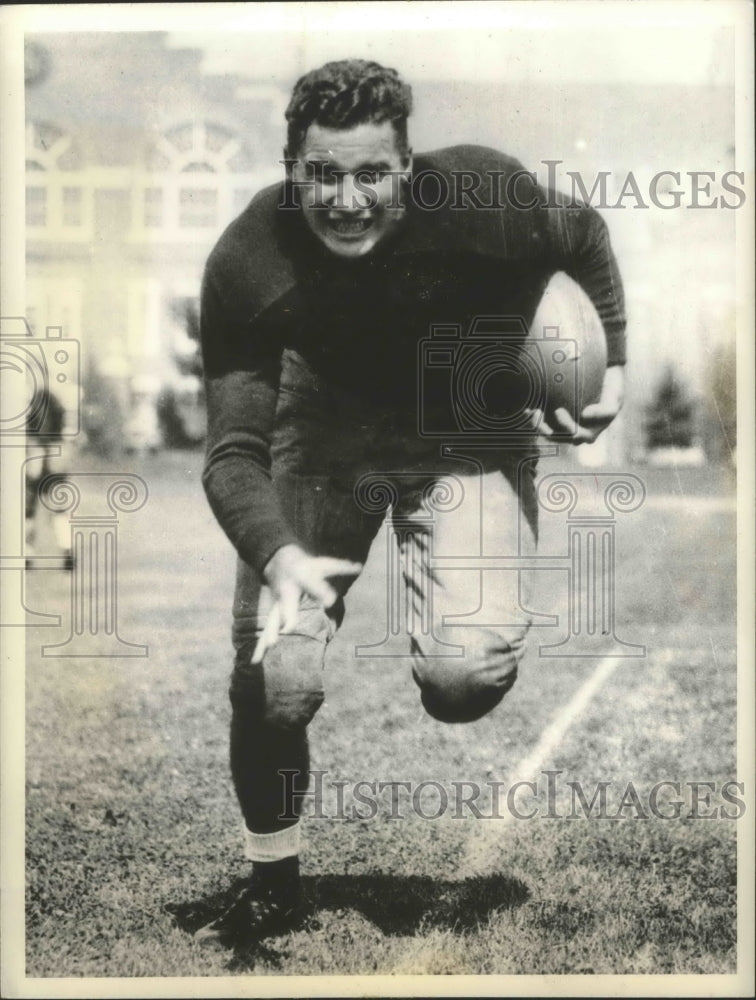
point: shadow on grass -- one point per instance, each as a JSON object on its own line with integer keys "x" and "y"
{"x": 404, "y": 905}
{"x": 395, "y": 905}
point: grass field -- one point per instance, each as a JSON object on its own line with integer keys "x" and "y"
{"x": 133, "y": 829}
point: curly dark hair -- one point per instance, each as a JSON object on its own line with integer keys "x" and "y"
{"x": 347, "y": 93}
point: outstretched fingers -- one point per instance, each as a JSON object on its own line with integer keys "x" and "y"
{"x": 325, "y": 569}
{"x": 269, "y": 634}
{"x": 313, "y": 577}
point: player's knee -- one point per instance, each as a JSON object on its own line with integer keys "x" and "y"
{"x": 286, "y": 689}
{"x": 465, "y": 688}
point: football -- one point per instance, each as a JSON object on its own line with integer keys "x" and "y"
{"x": 568, "y": 336}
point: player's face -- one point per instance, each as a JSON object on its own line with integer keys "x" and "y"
{"x": 350, "y": 185}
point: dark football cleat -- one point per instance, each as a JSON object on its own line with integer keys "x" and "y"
{"x": 257, "y": 912}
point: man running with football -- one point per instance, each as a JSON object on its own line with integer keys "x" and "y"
{"x": 316, "y": 303}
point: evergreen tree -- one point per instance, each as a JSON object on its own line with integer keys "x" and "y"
{"x": 670, "y": 415}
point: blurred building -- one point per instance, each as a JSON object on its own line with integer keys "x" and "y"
{"x": 134, "y": 164}
{"x": 137, "y": 158}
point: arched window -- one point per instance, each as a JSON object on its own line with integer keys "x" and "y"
{"x": 51, "y": 152}
{"x": 50, "y": 148}
{"x": 210, "y": 153}
{"x": 200, "y": 147}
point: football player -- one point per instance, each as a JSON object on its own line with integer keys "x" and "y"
{"x": 316, "y": 305}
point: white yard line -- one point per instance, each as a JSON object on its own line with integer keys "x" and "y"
{"x": 483, "y": 845}
{"x": 690, "y": 504}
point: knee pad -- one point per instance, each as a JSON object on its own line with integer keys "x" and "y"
{"x": 465, "y": 688}
{"x": 286, "y": 689}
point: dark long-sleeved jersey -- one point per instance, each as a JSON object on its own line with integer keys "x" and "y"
{"x": 269, "y": 285}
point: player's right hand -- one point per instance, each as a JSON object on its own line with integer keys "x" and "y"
{"x": 291, "y": 573}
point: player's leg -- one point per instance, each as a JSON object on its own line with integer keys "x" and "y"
{"x": 31, "y": 486}
{"x": 466, "y": 657}
{"x": 34, "y": 474}
{"x": 316, "y": 451}
{"x": 58, "y": 465}
{"x": 273, "y": 701}
{"x": 272, "y": 704}
{"x": 47, "y": 478}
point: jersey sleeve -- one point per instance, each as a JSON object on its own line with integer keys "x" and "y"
{"x": 580, "y": 245}
{"x": 537, "y": 225}
{"x": 241, "y": 382}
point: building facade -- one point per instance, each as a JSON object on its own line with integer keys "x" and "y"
{"x": 124, "y": 200}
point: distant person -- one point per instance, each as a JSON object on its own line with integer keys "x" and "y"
{"x": 315, "y": 302}
{"x": 45, "y": 427}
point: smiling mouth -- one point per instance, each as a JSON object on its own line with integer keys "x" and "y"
{"x": 350, "y": 228}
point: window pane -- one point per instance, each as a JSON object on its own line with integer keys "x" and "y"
{"x": 72, "y": 206}
{"x": 36, "y": 206}
{"x": 216, "y": 137}
{"x": 198, "y": 167}
{"x": 112, "y": 213}
{"x": 198, "y": 207}
{"x": 153, "y": 207}
{"x": 181, "y": 138}
{"x": 157, "y": 161}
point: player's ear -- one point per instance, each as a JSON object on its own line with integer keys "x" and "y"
{"x": 288, "y": 161}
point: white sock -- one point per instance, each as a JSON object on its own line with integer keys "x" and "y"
{"x": 272, "y": 846}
